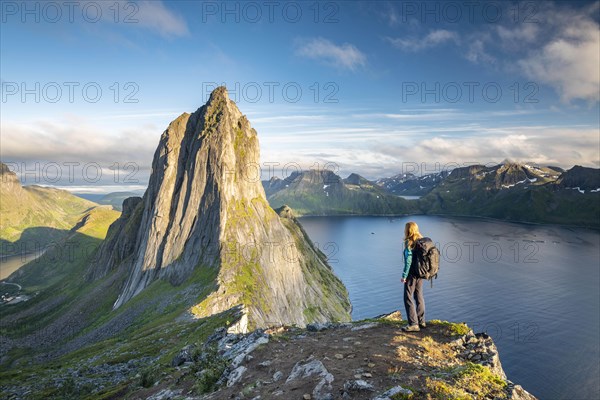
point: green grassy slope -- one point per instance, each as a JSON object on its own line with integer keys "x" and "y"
{"x": 69, "y": 322}
{"x": 34, "y": 216}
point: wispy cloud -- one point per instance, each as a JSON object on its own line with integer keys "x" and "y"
{"x": 156, "y": 16}
{"x": 142, "y": 116}
{"x": 100, "y": 189}
{"x": 344, "y": 56}
{"x": 384, "y": 153}
{"x": 570, "y": 63}
{"x": 78, "y": 141}
{"x": 516, "y": 36}
{"x": 477, "y": 52}
{"x": 383, "y": 141}
{"x": 152, "y": 15}
{"x": 432, "y": 39}
{"x": 562, "y": 52}
{"x": 542, "y": 145}
{"x": 288, "y": 118}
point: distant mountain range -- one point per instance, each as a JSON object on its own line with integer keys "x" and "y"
{"x": 409, "y": 184}
{"x": 509, "y": 190}
{"x": 519, "y": 192}
{"x": 325, "y": 193}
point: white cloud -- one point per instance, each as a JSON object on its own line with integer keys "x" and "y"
{"x": 100, "y": 189}
{"x": 390, "y": 15}
{"x": 286, "y": 119}
{"x": 383, "y": 153}
{"x": 570, "y": 63}
{"x": 345, "y": 56}
{"x": 476, "y": 52}
{"x": 542, "y": 145}
{"x": 561, "y": 50}
{"x": 80, "y": 141}
{"x": 154, "y": 15}
{"x": 513, "y": 36}
{"x": 432, "y": 39}
{"x": 147, "y": 14}
{"x": 375, "y": 144}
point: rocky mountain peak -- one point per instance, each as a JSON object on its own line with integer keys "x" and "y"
{"x": 355, "y": 179}
{"x": 580, "y": 177}
{"x": 205, "y": 208}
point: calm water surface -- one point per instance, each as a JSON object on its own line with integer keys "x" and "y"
{"x": 9, "y": 264}
{"x": 534, "y": 288}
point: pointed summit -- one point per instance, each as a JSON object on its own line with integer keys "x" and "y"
{"x": 219, "y": 94}
{"x": 205, "y": 209}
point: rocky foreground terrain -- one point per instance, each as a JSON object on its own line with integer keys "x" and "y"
{"x": 371, "y": 359}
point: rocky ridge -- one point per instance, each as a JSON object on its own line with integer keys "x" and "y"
{"x": 371, "y": 359}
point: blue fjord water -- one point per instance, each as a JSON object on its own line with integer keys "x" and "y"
{"x": 534, "y": 288}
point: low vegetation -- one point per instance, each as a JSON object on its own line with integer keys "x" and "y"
{"x": 467, "y": 382}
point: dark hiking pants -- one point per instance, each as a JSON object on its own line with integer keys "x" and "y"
{"x": 413, "y": 293}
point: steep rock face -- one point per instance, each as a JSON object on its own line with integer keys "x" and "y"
{"x": 120, "y": 241}
{"x": 205, "y": 208}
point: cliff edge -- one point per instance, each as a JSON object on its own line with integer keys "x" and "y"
{"x": 371, "y": 359}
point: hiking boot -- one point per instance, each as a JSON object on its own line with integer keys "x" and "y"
{"x": 422, "y": 325}
{"x": 411, "y": 328}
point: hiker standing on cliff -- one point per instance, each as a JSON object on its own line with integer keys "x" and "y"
{"x": 413, "y": 284}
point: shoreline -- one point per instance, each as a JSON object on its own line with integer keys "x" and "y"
{"x": 4, "y": 259}
{"x": 475, "y": 217}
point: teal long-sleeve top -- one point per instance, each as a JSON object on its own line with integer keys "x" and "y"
{"x": 407, "y": 260}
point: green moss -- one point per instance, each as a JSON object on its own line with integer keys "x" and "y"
{"x": 310, "y": 313}
{"x": 239, "y": 143}
{"x": 241, "y": 260}
{"x": 402, "y": 396}
{"x": 454, "y": 328}
{"x": 469, "y": 381}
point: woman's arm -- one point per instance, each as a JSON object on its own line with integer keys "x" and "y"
{"x": 407, "y": 261}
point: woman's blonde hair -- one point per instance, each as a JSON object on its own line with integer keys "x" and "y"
{"x": 411, "y": 234}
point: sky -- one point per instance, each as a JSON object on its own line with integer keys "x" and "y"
{"x": 377, "y": 88}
